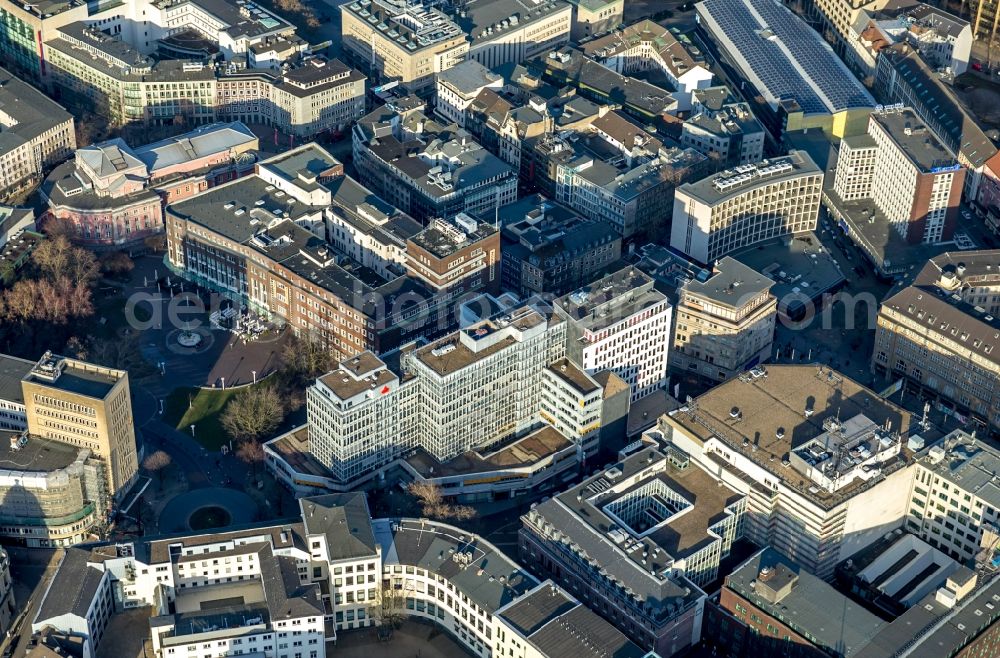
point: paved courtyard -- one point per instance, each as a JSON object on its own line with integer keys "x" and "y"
{"x": 412, "y": 640}
{"x": 176, "y": 513}
{"x": 221, "y": 356}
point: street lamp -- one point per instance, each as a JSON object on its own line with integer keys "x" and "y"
{"x": 223, "y": 383}
{"x": 254, "y": 376}
{"x": 192, "y": 429}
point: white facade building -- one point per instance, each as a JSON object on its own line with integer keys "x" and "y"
{"x": 458, "y": 86}
{"x": 841, "y": 485}
{"x": 248, "y": 591}
{"x": 746, "y": 205}
{"x": 497, "y": 399}
{"x": 622, "y": 324}
{"x": 911, "y": 177}
{"x": 955, "y": 504}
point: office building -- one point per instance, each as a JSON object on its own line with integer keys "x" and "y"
{"x": 619, "y": 323}
{"x": 429, "y": 169}
{"x": 944, "y": 40}
{"x": 453, "y": 579}
{"x": 260, "y": 240}
{"x": 371, "y": 412}
{"x": 739, "y": 207}
{"x": 595, "y": 17}
{"x": 8, "y": 604}
{"x": 648, "y": 46}
{"x": 954, "y": 504}
{"x": 37, "y": 133}
{"x": 725, "y": 324}
{"x": 13, "y": 416}
{"x": 548, "y": 621}
{"x": 637, "y": 539}
{"x": 456, "y": 258}
{"x": 54, "y": 493}
{"x": 902, "y": 76}
{"x": 769, "y": 603}
{"x": 259, "y": 74}
{"x": 366, "y": 229}
{"x": 318, "y": 96}
{"x": 249, "y": 590}
{"x": 819, "y": 456}
{"x": 802, "y": 82}
{"x": 549, "y": 248}
{"x": 729, "y": 136}
{"x": 458, "y": 86}
{"x": 87, "y": 406}
{"x": 937, "y": 335}
{"x": 410, "y": 41}
{"x": 912, "y": 179}
{"x": 421, "y": 42}
{"x": 617, "y": 172}
{"x": 184, "y": 29}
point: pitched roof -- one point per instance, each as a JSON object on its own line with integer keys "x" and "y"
{"x": 344, "y": 520}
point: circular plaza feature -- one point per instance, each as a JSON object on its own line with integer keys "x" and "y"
{"x": 207, "y": 508}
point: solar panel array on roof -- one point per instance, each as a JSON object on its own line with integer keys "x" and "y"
{"x": 788, "y": 57}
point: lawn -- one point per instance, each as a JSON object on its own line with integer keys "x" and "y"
{"x": 202, "y": 408}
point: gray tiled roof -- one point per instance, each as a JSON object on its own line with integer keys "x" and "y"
{"x": 813, "y": 608}
{"x": 73, "y": 588}
{"x": 490, "y": 579}
{"x": 345, "y": 521}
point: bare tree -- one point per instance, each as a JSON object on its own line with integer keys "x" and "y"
{"x": 116, "y": 262}
{"x": 388, "y": 608}
{"x": 433, "y": 504}
{"x": 251, "y": 452}
{"x": 121, "y": 352}
{"x": 53, "y": 302}
{"x": 157, "y": 462}
{"x": 57, "y": 258}
{"x": 253, "y": 413}
{"x": 306, "y": 358}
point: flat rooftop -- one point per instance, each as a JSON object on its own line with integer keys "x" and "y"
{"x": 569, "y": 373}
{"x": 967, "y": 463}
{"x": 293, "y": 448}
{"x": 770, "y": 419}
{"x": 731, "y": 183}
{"x": 682, "y": 502}
{"x": 798, "y": 265}
{"x": 72, "y": 376}
{"x": 520, "y": 453}
{"x": 37, "y": 455}
{"x": 916, "y": 140}
{"x": 731, "y": 283}
{"x": 812, "y": 608}
{"x": 442, "y": 238}
{"x": 486, "y": 15}
{"x": 452, "y": 353}
{"x": 360, "y": 373}
{"x": 610, "y": 299}
{"x": 561, "y": 627}
{"x": 12, "y": 371}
